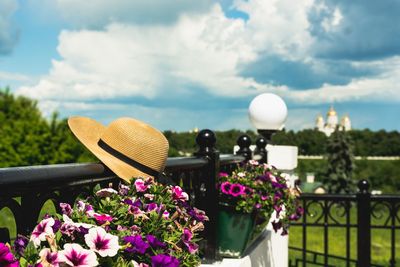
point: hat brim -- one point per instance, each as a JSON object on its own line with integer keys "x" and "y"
{"x": 88, "y": 132}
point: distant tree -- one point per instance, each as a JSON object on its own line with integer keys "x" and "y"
{"x": 338, "y": 178}
{"x": 27, "y": 138}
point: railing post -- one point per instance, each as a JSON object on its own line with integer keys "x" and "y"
{"x": 244, "y": 142}
{"x": 261, "y": 150}
{"x": 364, "y": 224}
{"x": 209, "y": 201}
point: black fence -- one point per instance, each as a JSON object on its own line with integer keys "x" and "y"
{"x": 24, "y": 190}
{"x": 347, "y": 222}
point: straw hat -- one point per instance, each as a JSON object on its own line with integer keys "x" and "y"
{"x": 129, "y": 147}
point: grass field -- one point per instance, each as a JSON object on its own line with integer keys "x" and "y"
{"x": 380, "y": 247}
{"x": 380, "y": 241}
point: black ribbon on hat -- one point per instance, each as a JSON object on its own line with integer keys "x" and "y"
{"x": 127, "y": 160}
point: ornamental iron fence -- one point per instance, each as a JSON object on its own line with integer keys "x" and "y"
{"x": 348, "y": 222}
{"x": 24, "y": 191}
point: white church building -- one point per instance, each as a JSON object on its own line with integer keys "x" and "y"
{"x": 332, "y": 121}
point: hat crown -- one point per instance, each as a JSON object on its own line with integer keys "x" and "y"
{"x": 137, "y": 141}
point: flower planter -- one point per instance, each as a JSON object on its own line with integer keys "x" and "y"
{"x": 234, "y": 231}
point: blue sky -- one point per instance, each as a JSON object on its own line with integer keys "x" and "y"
{"x": 182, "y": 64}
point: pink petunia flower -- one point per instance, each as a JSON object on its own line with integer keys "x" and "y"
{"x": 102, "y": 218}
{"x": 43, "y": 229}
{"x": 223, "y": 174}
{"x": 179, "y": 194}
{"x": 75, "y": 255}
{"x": 226, "y": 187}
{"x": 236, "y": 190}
{"x": 101, "y": 242}
{"x": 254, "y": 162}
{"x": 140, "y": 185}
{"x": 48, "y": 258}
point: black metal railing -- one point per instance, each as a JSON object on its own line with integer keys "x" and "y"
{"x": 351, "y": 219}
{"x": 24, "y": 190}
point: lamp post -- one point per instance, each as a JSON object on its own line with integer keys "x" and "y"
{"x": 267, "y": 112}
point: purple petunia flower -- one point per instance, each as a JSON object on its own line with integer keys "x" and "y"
{"x": 7, "y": 259}
{"x": 66, "y": 209}
{"x": 236, "y": 190}
{"x": 154, "y": 242}
{"x": 123, "y": 190}
{"x": 186, "y": 238}
{"x": 56, "y": 226}
{"x": 276, "y": 225}
{"x": 137, "y": 245}
{"x": 277, "y": 196}
{"x": 278, "y": 185}
{"x": 151, "y": 206}
{"x": 20, "y": 244}
{"x": 164, "y": 260}
{"x": 226, "y": 187}
{"x": 198, "y": 215}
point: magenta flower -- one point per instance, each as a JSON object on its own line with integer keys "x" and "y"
{"x": 179, "y": 194}
{"x": 43, "y": 229}
{"x": 49, "y": 258}
{"x": 101, "y": 242}
{"x": 164, "y": 260}
{"x": 236, "y": 190}
{"x": 7, "y": 259}
{"x": 226, "y": 187}
{"x": 263, "y": 197}
{"x": 75, "y": 255}
{"x": 106, "y": 192}
{"x": 165, "y": 214}
{"x": 140, "y": 185}
{"x": 257, "y": 206}
{"x": 136, "y": 244}
{"x": 254, "y": 162}
{"x": 186, "y": 238}
{"x": 102, "y": 218}
{"x": 223, "y": 174}
{"x": 83, "y": 207}
{"x": 192, "y": 247}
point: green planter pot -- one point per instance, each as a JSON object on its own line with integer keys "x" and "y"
{"x": 234, "y": 231}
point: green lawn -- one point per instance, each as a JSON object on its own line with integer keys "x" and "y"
{"x": 380, "y": 241}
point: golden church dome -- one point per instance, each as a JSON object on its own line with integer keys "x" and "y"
{"x": 331, "y": 112}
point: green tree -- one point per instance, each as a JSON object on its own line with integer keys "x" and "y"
{"x": 27, "y": 138}
{"x": 338, "y": 178}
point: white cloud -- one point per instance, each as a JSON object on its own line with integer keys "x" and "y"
{"x": 384, "y": 87}
{"x": 205, "y": 50}
{"x": 9, "y": 76}
{"x": 99, "y": 13}
{"x": 8, "y": 33}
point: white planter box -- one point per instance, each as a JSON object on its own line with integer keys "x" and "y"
{"x": 271, "y": 250}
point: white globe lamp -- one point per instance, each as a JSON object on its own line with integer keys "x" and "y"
{"x": 267, "y": 112}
